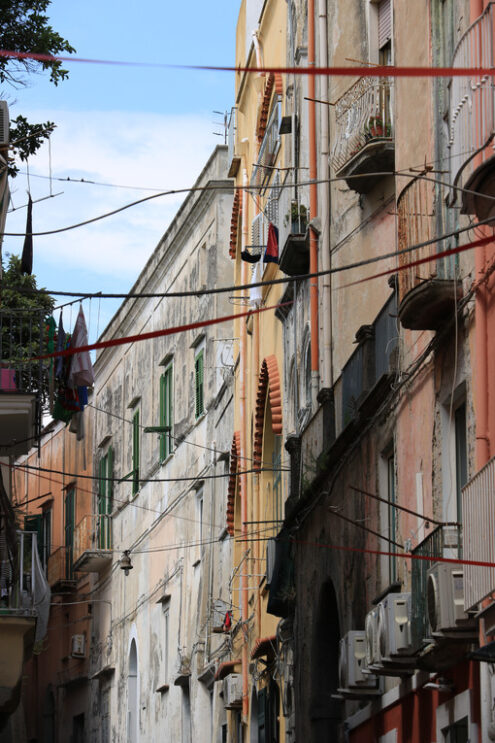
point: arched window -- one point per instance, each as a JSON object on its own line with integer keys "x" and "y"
{"x": 132, "y": 695}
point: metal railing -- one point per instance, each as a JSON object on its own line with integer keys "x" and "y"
{"x": 93, "y": 532}
{"x": 362, "y": 115}
{"x": 478, "y": 517}
{"x": 22, "y": 336}
{"x": 61, "y": 565}
{"x": 444, "y": 541}
{"x": 18, "y": 573}
{"x": 417, "y": 223}
{"x": 472, "y": 110}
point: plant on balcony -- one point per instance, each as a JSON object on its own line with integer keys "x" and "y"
{"x": 297, "y": 217}
{"x": 376, "y": 128}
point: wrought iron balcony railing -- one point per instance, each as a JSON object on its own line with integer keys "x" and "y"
{"x": 472, "y": 109}
{"x": 364, "y": 131}
{"x": 93, "y": 532}
{"x": 19, "y": 574}
{"x": 444, "y": 541}
{"x": 428, "y": 290}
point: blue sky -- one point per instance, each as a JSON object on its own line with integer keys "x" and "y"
{"x": 122, "y": 125}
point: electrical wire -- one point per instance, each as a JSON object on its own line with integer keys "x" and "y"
{"x": 283, "y": 280}
{"x": 186, "y": 478}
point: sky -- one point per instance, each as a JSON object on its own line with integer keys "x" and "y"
{"x": 131, "y": 126}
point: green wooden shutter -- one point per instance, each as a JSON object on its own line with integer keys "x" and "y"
{"x": 199, "y": 375}
{"x": 163, "y": 444}
{"x": 110, "y": 482}
{"x": 135, "y": 453}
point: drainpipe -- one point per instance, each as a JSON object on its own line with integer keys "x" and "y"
{"x": 313, "y": 207}
{"x": 481, "y": 397}
{"x": 244, "y": 453}
{"x": 325, "y": 254}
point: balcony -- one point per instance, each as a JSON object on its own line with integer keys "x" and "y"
{"x": 60, "y": 571}
{"x": 435, "y": 545}
{"x": 364, "y": 133}
{"x": 93, "y": 543}
{"x": 427, "y": 292}
{"x": 294, "y": 258}
{"x": 478, "y": 515}
{"x": 472, "y": 119}
{"x": 24, "y": 607}
{"x": 22, "y": 381}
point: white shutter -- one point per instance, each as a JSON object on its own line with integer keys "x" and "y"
{"x": 384, "y": 22}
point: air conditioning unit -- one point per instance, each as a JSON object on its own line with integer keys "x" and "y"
{"x": 270, "y": 560}
{"x": 394, "y": 625}
{"x": 78, "y": 646}
{"x": 352, "y": 663}
{"x": 371, "y": 634}
{"x": 232, "y": 691}
{"x": 445, "y": 598}
{"x": 4, "y": 123}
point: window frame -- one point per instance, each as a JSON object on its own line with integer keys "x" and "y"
{"x": 135, "y": 453}
{"x": 199, "y": 382}
{"x": 166, "y": 410}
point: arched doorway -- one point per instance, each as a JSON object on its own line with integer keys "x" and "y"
{"x": 325, "y": 709}
{"x": 132, "y": 695}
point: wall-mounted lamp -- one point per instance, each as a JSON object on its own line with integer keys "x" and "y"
{"x": 125, "y": 562}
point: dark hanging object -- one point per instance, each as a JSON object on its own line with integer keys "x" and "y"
{"x": 249, "y": 257}
{"x": 27, "y": 250}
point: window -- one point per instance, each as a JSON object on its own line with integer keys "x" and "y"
{"x": 46, "y": 536}
{"x": 392, "y": 517}
{"x": 199, "y": 383}
{"x": 105, "y": 500}
{"x": 135, "y": 453}
{"x": 460, "y": 456}
{"x": 277, "y": 479}
{"x": 166, "y": 628}
{"x": 69, "y": 518}
{"x": 199, "y": 508}
{"x": 166, "y": 412}
{"x": 40, "y": 524}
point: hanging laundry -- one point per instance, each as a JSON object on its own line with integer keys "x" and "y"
{"x": 59, "y": 363}
{"x": 255, "y": 294}
{"x": 250, "y": 257}
{"x": 81, "y": 368}
{"x": 271, "y": 252}
{"x": 27, "y": 250}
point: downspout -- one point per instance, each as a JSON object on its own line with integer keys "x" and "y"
{"x": 244, "y": 453}
{"x": 325, "y": 252}
{"x": 313, "y": 206}
{"x": 482, "y": 450}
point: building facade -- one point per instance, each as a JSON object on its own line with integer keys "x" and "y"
{"x": 163, "y": 421}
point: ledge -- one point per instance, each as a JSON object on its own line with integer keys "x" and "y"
{"x": 162, "y": 689}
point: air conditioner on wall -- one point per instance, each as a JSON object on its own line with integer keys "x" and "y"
{"x": 232, "y": 691}
{"x": 394, "y": 625}
{"x": 371, "y": 634}
{"x": 78, "y": 646}
{"x": 445, "y": 598}
{"x": 352, "y": 664}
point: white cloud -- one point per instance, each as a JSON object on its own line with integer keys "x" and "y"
{"x": 138, "y": 149}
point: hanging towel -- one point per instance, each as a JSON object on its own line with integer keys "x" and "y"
{"x": 249, "y": 257}
{"x": 81, "y": 369}
{"x": 27, "y": 250}
{"x": 271, "y": 252}
{"x": 255, "y": 295}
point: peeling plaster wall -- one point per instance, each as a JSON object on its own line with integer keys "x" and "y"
{"x": 185, "y": 579}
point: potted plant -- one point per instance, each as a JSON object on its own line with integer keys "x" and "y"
{"x": 298, "y": 218}
{"x": 376, "y": 128}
